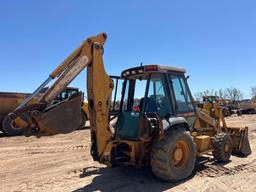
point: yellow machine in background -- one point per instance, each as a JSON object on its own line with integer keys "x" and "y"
{"x": 157, "y": 125}
{"x": 10, "y": 101}
{"x": 211, "y": 118}
{"x": 86, "y": 109}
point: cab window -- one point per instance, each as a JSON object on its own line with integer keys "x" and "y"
{"x": 181, "y": 92}
{"x": 157, "y": 100}
{"x": 134, "y": 95}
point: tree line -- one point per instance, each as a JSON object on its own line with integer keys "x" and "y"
{"x": 232, "y": 93}
{"x": 253, "y": 93}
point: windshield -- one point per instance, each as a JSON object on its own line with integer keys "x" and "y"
{"x": 134, "y": 95}
{"x": 156, "y": 100}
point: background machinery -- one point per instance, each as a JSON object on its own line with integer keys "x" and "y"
{"x": 227, "y": 107}
{"x": 10, "y": 101}
{"x": 157, "y": 124}
{"x": 246, "y": 107}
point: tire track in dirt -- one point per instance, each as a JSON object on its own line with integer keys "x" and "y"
{"x": 54, "y": 168}
{"x": 59, "y": 149}
{"x": 218, "y": 170}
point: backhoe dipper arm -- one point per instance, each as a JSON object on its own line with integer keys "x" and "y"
{"x": 99, "y": 88}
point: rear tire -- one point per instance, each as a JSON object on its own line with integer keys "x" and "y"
{"x": 9, "y": 127}
{"x": 173, "y": 158}
{"x": 222, "y": 145}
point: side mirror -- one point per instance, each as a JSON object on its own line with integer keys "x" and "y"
{"x": 187, "y": 77}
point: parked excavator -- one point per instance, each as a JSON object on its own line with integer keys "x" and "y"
{"x": 157, "y": 126}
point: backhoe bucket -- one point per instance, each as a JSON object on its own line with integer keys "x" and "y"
{"x": 63, "y": 117}
{"x": 240, "y": 141}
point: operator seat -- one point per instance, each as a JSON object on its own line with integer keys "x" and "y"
{"x": 150, "y": 105}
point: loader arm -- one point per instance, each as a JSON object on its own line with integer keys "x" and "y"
{"x": 99, "y": 88}
{"x": 216, "y": 120}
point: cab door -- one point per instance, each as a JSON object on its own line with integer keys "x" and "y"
{"x": 184, "y": 106}
{"x": 116, "y": 96}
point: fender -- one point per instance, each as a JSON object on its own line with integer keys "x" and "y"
{"x": 173, "y": 122}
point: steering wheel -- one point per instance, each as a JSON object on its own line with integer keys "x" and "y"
{"x": 160, "y": 101}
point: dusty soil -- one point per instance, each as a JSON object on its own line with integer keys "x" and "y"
{"x": 63, "y": 163}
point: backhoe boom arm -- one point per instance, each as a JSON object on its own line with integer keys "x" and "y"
{"x": 99, "y": 88}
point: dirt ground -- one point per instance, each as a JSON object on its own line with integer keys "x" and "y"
{"x": 63, "y": 163}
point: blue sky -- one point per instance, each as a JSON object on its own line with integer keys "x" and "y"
{"x": 214, "y": 40}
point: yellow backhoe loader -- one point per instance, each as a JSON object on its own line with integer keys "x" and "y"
{"x": 157, "y": 125}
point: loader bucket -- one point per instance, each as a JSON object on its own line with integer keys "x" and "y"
{"x": 240, "y": 141}
{"x": 63, "y": 117}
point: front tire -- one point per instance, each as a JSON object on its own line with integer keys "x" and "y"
{"x": 173, "y": 158}
{"x": 222, "y": 147}
{"x": 84, "y": 118}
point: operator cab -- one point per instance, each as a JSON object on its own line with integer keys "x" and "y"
{"x": 161, "y": 91}
{"x": 69, "y": 92}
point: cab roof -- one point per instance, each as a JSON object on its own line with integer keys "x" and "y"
{"x": 145, "y": 69}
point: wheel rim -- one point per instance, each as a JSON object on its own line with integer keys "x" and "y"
{"x": 226, "y": 147}
{"x": 14, "y": 125}
{"x": 180, "y": 153}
